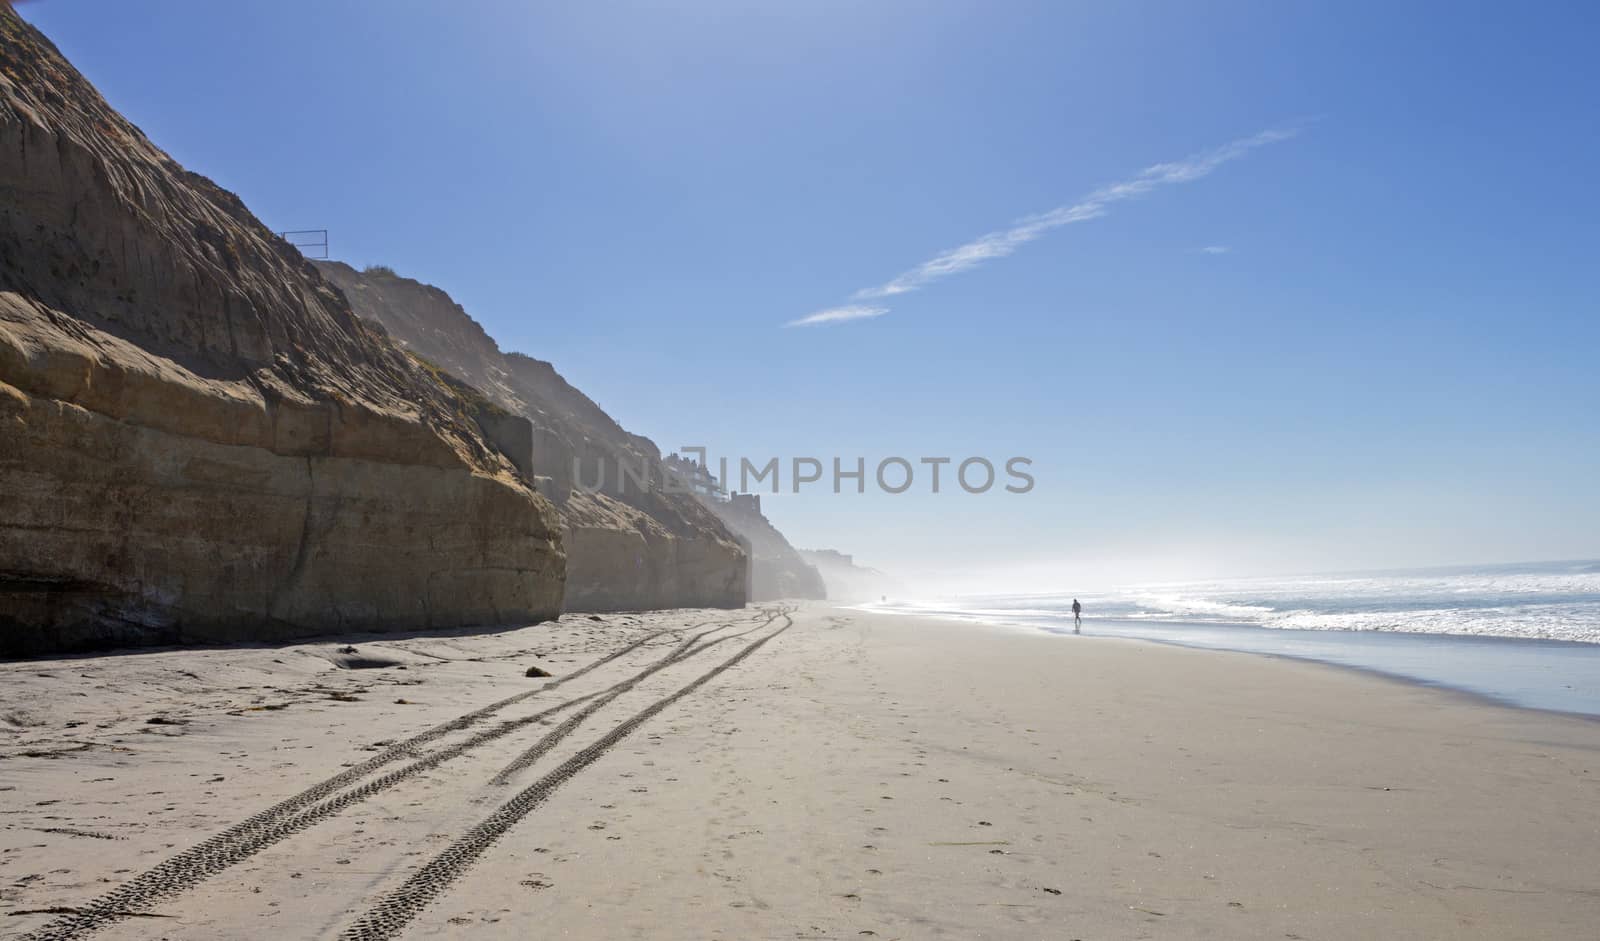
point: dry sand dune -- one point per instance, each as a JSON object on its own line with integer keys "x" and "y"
{"x": 778, "y": 773}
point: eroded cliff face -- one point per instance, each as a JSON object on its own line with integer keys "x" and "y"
{"x": 199, "y": 440}
{"x": 628, "y": 547}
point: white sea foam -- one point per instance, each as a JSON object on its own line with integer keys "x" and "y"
{"x": 1557, "y": 601}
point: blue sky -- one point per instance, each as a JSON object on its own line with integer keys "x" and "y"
{"x": 1392, "y": 362}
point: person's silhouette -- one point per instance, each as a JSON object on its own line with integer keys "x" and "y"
{"x": 1077, "y": 616}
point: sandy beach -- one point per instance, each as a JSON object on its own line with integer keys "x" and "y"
{"x": 779, "y": 772}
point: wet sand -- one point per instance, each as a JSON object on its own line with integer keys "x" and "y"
{"x": 853, "y": 776}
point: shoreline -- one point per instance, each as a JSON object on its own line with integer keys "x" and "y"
{"x": 1467, "y": 695}
{"x": 1467, "y": 679}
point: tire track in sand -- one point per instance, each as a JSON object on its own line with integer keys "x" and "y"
{"x": 542, "y": 747}
{"x": 274, "y": 824}
{"x": 394, "y": 911}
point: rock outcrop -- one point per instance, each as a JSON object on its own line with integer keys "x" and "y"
{"x": 199, "y": 440}
{"x": 630, "y": 543}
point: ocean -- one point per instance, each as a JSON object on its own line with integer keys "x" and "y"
{"x": 1526, "y": 634}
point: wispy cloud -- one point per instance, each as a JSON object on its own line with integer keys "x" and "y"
{"x": 1001, "y": 243}
{"x": 838, "y": 314}
{"x": 1216, "y": 249}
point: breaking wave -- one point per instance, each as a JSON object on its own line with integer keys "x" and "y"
{"x": 1551, "y": 600}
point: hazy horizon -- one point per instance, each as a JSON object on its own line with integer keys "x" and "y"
{"x": 933, "y": 587}
{"x": 1249, "y": 308}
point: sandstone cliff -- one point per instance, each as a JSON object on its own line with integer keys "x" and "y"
{"x": 628, "y": 546}
{"x": 199, "y": 440}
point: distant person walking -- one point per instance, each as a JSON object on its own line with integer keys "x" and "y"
{"x": 1077, "y": 617}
